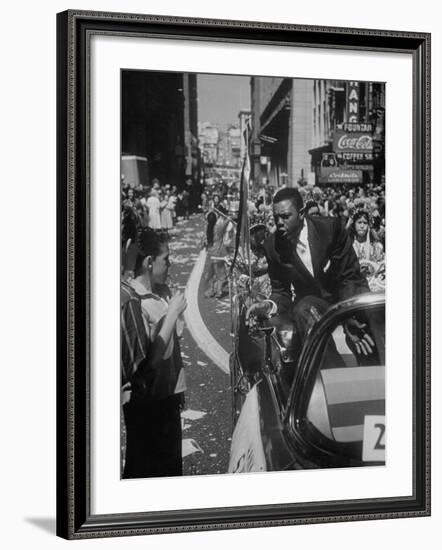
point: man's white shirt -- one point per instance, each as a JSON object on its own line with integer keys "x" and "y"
{"x": 303, "y": 249}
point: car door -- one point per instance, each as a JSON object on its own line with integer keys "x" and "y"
{"x": 336, "y": 411}
{"x": 258, "y": 441}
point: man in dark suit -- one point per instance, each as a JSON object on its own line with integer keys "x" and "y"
{"x": 312, "y": 265}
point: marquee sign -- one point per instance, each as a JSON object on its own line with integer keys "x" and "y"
{"x": 355, "y": 157}
{"x": 358, "y": 127}
{"x": 353, "y": 101}
{"x": 352, "y": 142}
{"x": 339, "y": 175}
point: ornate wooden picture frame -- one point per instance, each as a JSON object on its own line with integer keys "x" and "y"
{"x": 75, "y": 512}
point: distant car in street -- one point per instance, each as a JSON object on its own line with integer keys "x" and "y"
{"x": 320, "y": 406}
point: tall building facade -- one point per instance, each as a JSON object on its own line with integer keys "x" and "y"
{"x": 192, "y": 151}
{"x": 319, "y": 132}
{"x": 348, "y": 132}
{"x": 159, "y": 124}
{"x": 208, "y": 136}
{"x": 282, "y": 130}
{"x": 220, "y": 148}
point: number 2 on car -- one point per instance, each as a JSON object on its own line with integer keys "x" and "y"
{"x": 373, "y": 445}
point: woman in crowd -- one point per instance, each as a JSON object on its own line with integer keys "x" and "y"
{"x": 171, "y": 205}
{"x": 216, "y": 275}
{"x": 364, "y": 242}
{"x": 153, "y": 205}
{"x": 166, "y": 213}
{"x": 129, "y": 200}
{"x": 179, "y": 208}
{"x": 152, "y": 415}
{"x": 368, "y": 249}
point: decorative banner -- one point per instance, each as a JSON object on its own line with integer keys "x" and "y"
{"x": 339, "y": 175}
{"x": 353, "y": 101}
{"x": 247, "y": 451}
{"x": 355, "y": 157}
{"x": 242, "y": 244}
{"x": 358, "y": 127}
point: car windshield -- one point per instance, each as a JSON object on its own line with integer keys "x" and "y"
{"x": 349, "y": 390}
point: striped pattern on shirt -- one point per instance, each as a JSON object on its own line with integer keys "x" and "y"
{"x": 134, "y": 334}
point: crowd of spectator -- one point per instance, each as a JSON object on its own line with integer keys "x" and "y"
{"x": 158, "y": 207}
{"x": 361, "y": 210}
{"x": 340, "y": 201}
{"x": 153, "y": 382}
{"x": 161, "y": 206}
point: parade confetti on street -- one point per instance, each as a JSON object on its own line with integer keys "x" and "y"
{"x": 192, "y": 415}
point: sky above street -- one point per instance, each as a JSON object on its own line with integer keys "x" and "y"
{"x": 221, "y": 97}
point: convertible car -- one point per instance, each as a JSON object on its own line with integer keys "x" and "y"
{"x": 315, "y": 405}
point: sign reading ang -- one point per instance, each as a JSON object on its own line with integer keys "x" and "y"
{"x": 353, "y": 101}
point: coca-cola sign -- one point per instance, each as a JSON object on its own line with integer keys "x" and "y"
{"x": 352, "y": 142}
{"x": 362, "y": 143}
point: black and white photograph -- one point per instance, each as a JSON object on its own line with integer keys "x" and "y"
{"x": 253, "y": 267}
{"x": 223, "y": 225}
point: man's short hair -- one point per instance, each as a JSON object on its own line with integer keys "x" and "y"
{"x": 150, "y": 243}
{"x": 291, "y": 194}
{"x": 310, "y": 204}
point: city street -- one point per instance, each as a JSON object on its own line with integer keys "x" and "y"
{"x": 206, "y": 418}
{"x": 301, "y": 160}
